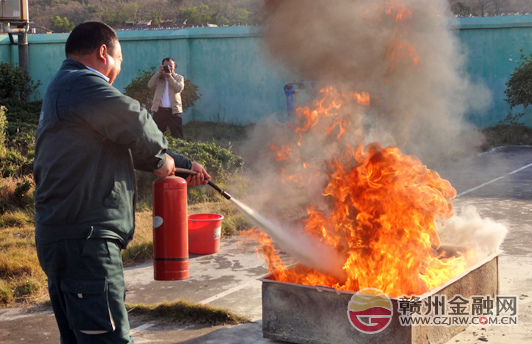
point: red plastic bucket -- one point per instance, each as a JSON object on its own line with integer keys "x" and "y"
{"x": 204, "y": 231}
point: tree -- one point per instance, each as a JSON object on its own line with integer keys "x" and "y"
{"x": 486, "y": 7}
{"x": 155, "y": 17}
{"x": 242, "y": 16}
{"x": 176, "y": 5}
{"x": 461, "y": 7}
{"x": 116, "y": 12}
{"x": 147, "y": 8}
{"x": 15, "y": 84}
{"x": 502, "y": 5}
{"x": 44, "y": 13}
{"x": 222, "y": 13}
{"x": 120, "y": 14}
{"x": 482, "y": 6}
{"x": 61, "y": 25}
{"x": 470, "y": 7}
{"x": 201, "y": 14}
{"x": 216, "y": 12}
{"x": 519, "y": 87}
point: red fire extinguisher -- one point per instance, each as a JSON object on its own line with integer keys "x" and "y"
{"x": 170, "y": 229}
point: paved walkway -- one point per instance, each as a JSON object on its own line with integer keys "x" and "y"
{"x": 498, "y": 183}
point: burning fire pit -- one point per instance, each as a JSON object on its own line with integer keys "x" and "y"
{"x": 377, "y": 208}
{"x": 319, "y": 315}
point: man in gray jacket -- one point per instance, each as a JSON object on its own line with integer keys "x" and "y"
{"x": 89, "y": 138}
{"x": 167, "y": 99}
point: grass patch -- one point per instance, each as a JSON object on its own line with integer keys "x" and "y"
{"x": 137, "y": 253}
{"x": 185, "y": 313}
{"x": 18, "y": 219}
{"x": 6, "y": 294}
{"x": 21, "y": 277}
{"x": 140, "y": 249}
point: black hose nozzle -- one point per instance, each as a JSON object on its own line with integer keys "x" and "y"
{"x": 214, "y": 186}
{"x": 222, "y": 192}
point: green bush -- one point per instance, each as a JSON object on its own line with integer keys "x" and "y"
{"x": 29, "y": 287}
{"x": 506, "y": 133}
{"x": 22, "y": 188}
{"x": 519, "y": 87}
{"x": 189, "y": 95}
{"x": 138, "y": 89}
{"x": 15, "y": 84}
{"x": 219, "y": 162}
{"x": 23, "y": 117}
{"x": 510, "y": 130}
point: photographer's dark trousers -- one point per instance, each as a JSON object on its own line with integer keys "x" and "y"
{"x": 164, "y": 118}
{"x": 87, "y": 290}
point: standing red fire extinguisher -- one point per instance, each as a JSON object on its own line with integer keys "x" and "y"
{"x": 170, "y": 229}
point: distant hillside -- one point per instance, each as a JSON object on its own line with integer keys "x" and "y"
{"x": 62, "y": 15}
{"x": 484, "y": 8}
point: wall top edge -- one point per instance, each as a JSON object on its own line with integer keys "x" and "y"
{"x": 198, "y": 32}
{"x": 136, "y": 35}
{"x": 501, "y": 22}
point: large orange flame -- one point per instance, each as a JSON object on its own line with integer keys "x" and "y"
{"x": 384, "y": 208}
{"x": 326, "y": 107}
{"x": 383, "y": 204}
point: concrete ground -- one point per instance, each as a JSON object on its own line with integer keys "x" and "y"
{"x": 498, "y": 183}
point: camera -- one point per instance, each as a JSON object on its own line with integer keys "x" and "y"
{"x": 166, "y": 68}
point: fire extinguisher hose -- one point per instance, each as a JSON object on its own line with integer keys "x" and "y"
{"x": 214, "y": 186}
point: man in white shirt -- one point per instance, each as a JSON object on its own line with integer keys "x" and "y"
{"x": 167, "y": 99}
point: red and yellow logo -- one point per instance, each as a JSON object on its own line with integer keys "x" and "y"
{"x": 370, "y": 311}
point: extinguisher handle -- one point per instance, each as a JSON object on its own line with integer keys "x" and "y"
{"x": 185, "y": 171}
{"x": 214, "y": 186}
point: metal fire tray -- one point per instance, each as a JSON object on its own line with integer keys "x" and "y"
{"x": 303, "y": 314}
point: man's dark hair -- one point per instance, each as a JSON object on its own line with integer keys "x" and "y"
{"x": 87, "y": 37}
{"x": 168, "y": 59}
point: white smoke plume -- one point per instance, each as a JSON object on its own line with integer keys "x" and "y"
{"x": 469, "y": 230}
{"x": 308, "y": 251}
{"x": 401, "y": 52}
